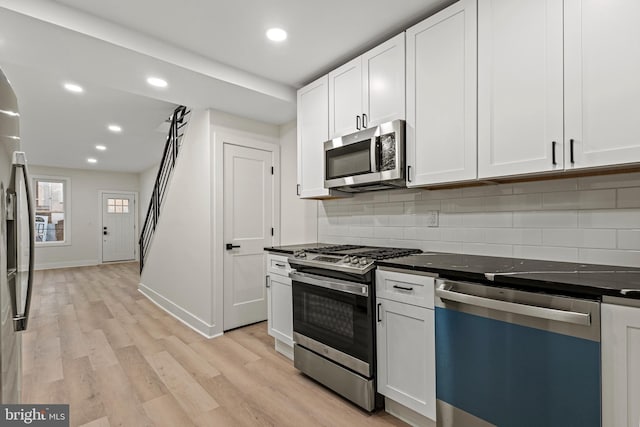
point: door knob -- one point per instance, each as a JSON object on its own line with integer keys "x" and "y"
{"x": 230, "y": 246}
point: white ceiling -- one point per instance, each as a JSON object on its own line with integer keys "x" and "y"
{"x": 213, "y": 53}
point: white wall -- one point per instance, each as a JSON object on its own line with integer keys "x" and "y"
{"x": 84, "y": 248}
{"x": 592, "y": 219}
{"x": 177, "y": 272}
{"x": 147, "y": 180}
{"x": 299, "y": 218}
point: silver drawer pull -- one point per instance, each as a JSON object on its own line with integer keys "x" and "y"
{"x": 280, "y": 265}
{"x": 404, "y": 288}
{"x": 516, "y": 308}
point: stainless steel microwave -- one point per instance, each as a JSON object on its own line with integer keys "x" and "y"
{"x": 371, "y": 159}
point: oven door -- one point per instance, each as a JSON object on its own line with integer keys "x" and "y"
{"x": 334, "y": 319}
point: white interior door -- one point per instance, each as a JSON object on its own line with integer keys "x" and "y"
{"x": 248, "y": 205}
{"x": 118, "y": 227}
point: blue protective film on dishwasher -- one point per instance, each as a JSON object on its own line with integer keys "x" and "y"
{"x": 512, "y": 375}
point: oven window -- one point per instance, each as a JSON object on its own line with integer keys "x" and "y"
{"x": 336, "y": 316}
{"x": 352, "y": 159}
{"x": 337, "y": 319}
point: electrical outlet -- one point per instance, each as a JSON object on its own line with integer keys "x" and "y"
{"x": 432, "y": 219}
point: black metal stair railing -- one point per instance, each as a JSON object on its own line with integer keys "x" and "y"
{"x": 171, "y": 148}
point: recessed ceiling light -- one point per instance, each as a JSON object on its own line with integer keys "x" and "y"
{"x": 72, "y": 87}
{"x": 101, "y": 147}
{"x": 92, "y": 160}
{"x": 157, "y": 82}
{"x": 114, "y": 128}
{"x": 276, "y": 34}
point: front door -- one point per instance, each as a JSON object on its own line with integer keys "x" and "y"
{"x": 118, "y": 227}
{"x": 248, "y": 203}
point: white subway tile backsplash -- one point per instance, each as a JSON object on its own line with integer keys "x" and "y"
{"x": 487, "y": 249}
{"x": 590, "y": 219}
{"x": 488, "y": 219}
{"x": 579, "y": 237}
{"x": 591, "y": 199}
{"x": 388, "y": 232}
{"x": 610, "y": 218}
{"x": 609, "y": 181}
{"x": 610, "y": 257}
{"x": 540, "y": 219}
{"x": 629, "y": 197}
{"x": 546, "y": 186}
{"x": 629, "y": 239}
{"x": 546, "y": 252}
{"x": 514, "y": 236}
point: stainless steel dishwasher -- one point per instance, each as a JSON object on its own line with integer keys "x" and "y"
{"x": 506, "y": 357}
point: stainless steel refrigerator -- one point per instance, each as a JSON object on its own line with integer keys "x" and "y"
{"x": 16, "y": 245}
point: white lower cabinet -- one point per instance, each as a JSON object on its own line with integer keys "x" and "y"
{"x": 280, "y": 304}
{"x": 405, "y": 335}
{"x": 620, "y": 365}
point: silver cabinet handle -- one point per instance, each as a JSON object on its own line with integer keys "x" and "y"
{"x": 267, "y": 281}
{"x": 277, "y": 264}
{"x": 515, "y": 308}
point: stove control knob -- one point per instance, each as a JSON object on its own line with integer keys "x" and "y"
{"x": 364, "y": 261}
{"x": 346, "y": 258}
{"x": 300, "y": 254}
{"x": 354, "y": 260}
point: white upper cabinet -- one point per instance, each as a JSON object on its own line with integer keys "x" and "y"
{"x": 441, "y": 96}
{"x": 368, "y": 90}
{"x": 520, "y": 87}
{"x": 602, "y": 82}
{"x": 313, "y": 126}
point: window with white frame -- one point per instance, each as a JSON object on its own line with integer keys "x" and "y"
{"x": 51, "y": 199}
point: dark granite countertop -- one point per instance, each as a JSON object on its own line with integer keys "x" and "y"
{"x": 550, "y": 276}
{"x": 577, "y": 279}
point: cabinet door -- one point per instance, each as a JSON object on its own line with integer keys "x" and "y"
{"x": 313, "y": 117}
{"x": 280, "y": 308}
{"x": 620, "y": 366}
{"x": 520, "y": 93}
{"x": 345, "y": 98}
{"x": 441, "y": 96}
{"x": 602, "y": 67}
{"x": 383, "y": 82}
{"x": 406, "y": 355}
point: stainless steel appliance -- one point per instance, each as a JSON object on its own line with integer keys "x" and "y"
{"x": 506, "y": 357}
{"x": 371, "y": 159}
{"x": 16, "y": 245}
{"x": 333, "y": 318}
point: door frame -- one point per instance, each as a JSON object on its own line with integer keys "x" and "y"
{"x": 219, "y": 137}
{"x": 135, "y": 222}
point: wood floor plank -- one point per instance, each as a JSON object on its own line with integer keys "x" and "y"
{"x": 165, "y": 411}
{"x": 121, "y": 404}
{"x": 192, "y": 362}
{"x": 100, "y": 352}
{"x": 115, "y": 333}
{"x": 100, "y": 422}
{"x": 83, "y": 391}
{"x": 142, "y": 377}
{"x": 189, "y": 394}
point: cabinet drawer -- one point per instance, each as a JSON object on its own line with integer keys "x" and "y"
{"x": 407, "y": 288}
{"x": 278, "y": 264}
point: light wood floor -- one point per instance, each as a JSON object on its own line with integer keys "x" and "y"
{"x": 98, "y": 344}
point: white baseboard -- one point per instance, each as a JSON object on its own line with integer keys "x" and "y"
{"x": 407, "y": 415}
{"x": 69, "y": 264}
{"x": 284, "y": 349}
{"x": 179, "y": 313}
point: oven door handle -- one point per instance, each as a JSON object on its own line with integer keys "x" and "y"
{"x": 515, "y": 308}
{"x": 329, "y": 283}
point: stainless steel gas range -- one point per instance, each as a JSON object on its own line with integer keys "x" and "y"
{"x": 333, "y": 317}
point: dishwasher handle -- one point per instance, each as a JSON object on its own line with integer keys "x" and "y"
{"x": 516, "y": 308}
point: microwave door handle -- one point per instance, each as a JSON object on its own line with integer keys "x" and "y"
{"x": 378, "y": 153}
{"x": 20, "y": 319}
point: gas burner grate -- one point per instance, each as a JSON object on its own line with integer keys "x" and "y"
{"x": 335, "y": 248}
{"x": 379, "y": 254}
